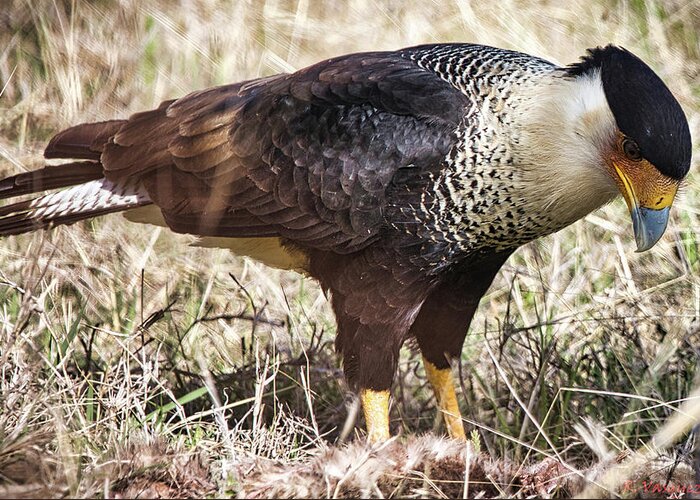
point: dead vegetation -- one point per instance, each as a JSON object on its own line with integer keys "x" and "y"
{"x": 430, "y": 467}
{"x": 134, "y": 365}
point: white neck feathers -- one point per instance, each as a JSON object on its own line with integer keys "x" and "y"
{"x": 567, "y": 129}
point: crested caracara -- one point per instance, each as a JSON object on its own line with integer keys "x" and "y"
{"x": 400, "y": 180}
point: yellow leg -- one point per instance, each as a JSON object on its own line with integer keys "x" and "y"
{"x": 375, "y": 405}
{"x": 443, "y": 385}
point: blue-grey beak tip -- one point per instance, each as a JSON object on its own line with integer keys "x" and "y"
{"x": 649, "y": 226}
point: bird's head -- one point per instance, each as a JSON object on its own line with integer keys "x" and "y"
{"x": 648, "y": 151}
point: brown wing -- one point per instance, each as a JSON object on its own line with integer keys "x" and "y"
{"x": 309, "y": 156}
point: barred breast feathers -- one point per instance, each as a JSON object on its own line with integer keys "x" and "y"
{"x": 530, "y": 157}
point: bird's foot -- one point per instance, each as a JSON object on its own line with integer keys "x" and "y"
{"x": 375, "y": 405}
{"x": 443, "y": 385}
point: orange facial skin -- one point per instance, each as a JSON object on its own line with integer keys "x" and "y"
{"x": 640, "y": 183}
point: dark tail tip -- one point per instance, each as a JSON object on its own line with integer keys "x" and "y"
{"x": 51, "y": 177}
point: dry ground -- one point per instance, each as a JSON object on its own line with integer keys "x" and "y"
{"x": 135, "y": 365}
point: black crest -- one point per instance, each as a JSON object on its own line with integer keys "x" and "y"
{"x": 644, "y": 108}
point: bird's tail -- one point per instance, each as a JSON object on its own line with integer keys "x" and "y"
{"x": 82, "y": 201}
{"x": 87, "y": 192}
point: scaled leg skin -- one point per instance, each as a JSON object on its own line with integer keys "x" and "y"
{"x": 441, "y": 327}
{"x": 375, "y": 405}
{"x": 443, "y": 385}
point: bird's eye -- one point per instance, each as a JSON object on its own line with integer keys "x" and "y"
{"x": 631, "y": 150}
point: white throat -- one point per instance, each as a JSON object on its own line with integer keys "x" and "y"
{"x": 567, "y": 128}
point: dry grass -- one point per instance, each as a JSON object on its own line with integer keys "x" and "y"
{"x": 133, "y": 364}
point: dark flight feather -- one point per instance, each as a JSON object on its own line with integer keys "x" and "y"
{"x": 85, "y": 141}
{"x": 51, "y": 177}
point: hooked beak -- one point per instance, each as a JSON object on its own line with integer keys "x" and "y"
{"x": 649, "y": 226}
{"x": 649, "y": 196}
